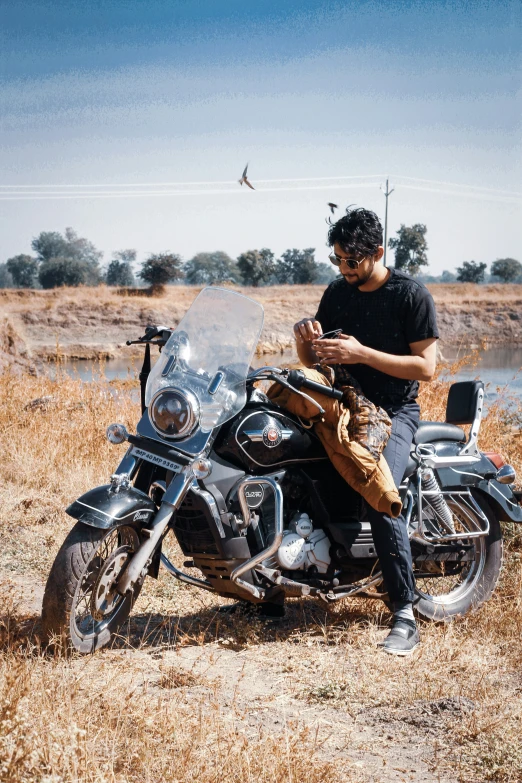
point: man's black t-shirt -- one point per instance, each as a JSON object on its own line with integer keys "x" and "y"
{"x": 398, "y": 313}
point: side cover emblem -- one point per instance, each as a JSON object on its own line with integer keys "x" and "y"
{"x": 254, "y": 495}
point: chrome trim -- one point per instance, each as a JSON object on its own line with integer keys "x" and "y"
{"x": 216, "y": 382}
{"x": 209, "y": 499}
{"x": 192, "y": 402}
{"x": 407, "y": 507}
{"x": 119, "y": 481}
{"x": 471, "y": 448}
{"x": 337, "y": 593}
{"x": 420, "y": 533}
{"x": 447, "y": 462}
{"x": 263, "y": 370}
{"x": 427, "y": 456}
{"x": 259, "y": 592}
{"x": 506, "y": 475}
{"x": 172, "y": 499}
{"x": 190, "y": 580}
{"x": 110, "y": 516}
{"x": 128, "y": 464}
{"x": 257, "y": 435}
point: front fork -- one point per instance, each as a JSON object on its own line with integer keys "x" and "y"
{"x": 172, "y": 500}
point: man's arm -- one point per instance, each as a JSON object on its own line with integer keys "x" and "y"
{"x": 420, "y": 366}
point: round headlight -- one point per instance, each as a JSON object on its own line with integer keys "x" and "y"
{"x": 174, "y": 413}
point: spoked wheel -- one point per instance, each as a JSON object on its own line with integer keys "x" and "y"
{"x": 81, "y": 604}
{"x": 449, "y": 588}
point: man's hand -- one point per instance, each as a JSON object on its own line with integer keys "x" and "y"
{"x": 307, "y": 330}
{"x": 345, "y": 350}
{"x": 418, "y": 366}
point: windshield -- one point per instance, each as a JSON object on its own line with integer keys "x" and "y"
{"x": 209, "y": 354}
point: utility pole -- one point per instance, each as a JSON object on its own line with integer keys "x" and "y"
{"x": 387, "y": 193}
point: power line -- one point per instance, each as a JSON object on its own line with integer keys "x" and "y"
{"x": 340, "y": 183}
{"x": 456, "y": 185}
{"x": 192, "y": 184}
{"x": 146, "y": 193}
{"x": 233, "y": 183}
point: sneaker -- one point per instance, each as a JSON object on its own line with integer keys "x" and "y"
{"x": 402, "y": 639}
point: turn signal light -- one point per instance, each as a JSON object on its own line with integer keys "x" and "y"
{"x": 116, "y": 433}
{"x": 201, "y": 468}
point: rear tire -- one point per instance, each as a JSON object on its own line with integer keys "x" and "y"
{"x": 79, "y": 605}
{"x": 482, "y": 578}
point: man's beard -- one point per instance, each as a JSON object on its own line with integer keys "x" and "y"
{"x": 359, "y": 281}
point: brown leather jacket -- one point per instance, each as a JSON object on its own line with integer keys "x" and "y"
{"x": 353, "y": 432}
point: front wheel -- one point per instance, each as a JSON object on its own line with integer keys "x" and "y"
{"x": 80, "y": 602}
{"x": 449, "y": 589}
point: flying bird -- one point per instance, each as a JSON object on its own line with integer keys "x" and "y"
{"x": 333, "y": 207}
{"x": 244, "y": 178}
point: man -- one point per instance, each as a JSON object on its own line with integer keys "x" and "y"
{"x": 388, "y": 344}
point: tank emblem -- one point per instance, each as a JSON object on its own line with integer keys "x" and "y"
{"x": 272, "y": 436}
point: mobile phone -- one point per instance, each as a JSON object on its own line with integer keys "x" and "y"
{"x": 333, "y": 335}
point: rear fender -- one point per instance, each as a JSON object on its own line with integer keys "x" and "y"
{"x": 103, "y": 508}
{"x": 502, "y": 501}
{"x": 479, "y": 475}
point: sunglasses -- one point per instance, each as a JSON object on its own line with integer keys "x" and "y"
{"x": 351, "y": 263}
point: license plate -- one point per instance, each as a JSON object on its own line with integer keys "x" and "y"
{"x": 156, "y": 460}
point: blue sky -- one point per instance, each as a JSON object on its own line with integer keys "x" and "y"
{"x": 103, "y": 93}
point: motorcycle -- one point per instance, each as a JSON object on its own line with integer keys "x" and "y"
{"x": 251, "y": 498}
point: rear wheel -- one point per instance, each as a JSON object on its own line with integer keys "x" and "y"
{"x": 448, "y": 589}
{"x": 81, "y": 604}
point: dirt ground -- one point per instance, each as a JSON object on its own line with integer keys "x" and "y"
{"x": 95, "y": 323}
{"x": 369, "y": 716}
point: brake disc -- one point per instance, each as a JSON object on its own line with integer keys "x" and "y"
{"x": 104, "y": 597}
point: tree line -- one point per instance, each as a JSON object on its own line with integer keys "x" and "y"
{"x": 411, "y": 255}
{"x": 69, "y": 260}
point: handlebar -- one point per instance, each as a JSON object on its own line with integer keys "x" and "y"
{"x": 298, "y": 380}
{"x": 161, "y": 332}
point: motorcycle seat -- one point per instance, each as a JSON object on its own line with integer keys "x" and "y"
{"x": 430, "y": 431}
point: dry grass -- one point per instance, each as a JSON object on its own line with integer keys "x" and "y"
{"x": 160, "y": 705}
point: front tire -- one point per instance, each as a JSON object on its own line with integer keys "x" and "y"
{"x": 80, "y": 604}
{"x": 442, "y": 598}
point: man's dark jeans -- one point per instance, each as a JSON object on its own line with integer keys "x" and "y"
{"x": 390, "y": 535}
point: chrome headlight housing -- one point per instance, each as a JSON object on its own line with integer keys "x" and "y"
{"x": 174, "y": 413}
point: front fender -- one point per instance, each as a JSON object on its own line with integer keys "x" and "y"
{"x": 103, "y": 508}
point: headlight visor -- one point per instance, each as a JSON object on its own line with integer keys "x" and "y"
{"x": 174, "y": 413}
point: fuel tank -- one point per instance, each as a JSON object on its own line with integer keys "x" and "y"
{"x": 265, "y": 437}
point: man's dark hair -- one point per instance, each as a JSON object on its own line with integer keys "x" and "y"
{"x": 359, "y": 232}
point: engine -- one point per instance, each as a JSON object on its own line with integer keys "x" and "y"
{"x": 304, "y": 548}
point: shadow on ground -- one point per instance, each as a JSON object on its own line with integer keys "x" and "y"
{"x": 235, "y": 630}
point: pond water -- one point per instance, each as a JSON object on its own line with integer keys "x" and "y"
{"x": 498, "y": 366}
